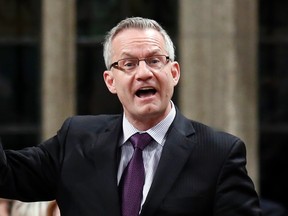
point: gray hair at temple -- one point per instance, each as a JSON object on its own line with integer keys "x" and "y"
{"x": 138, "y": 23}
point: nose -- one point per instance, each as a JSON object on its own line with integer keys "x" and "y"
{"x": 143, "y": 71}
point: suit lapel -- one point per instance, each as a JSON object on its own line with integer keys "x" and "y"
{"x": 178, "y": 146}
{"x": 104, "y": 154}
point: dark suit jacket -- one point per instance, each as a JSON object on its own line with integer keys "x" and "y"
{"x": 201, "y": 171}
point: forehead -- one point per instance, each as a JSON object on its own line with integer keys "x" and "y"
{"x": 135, "y": 40}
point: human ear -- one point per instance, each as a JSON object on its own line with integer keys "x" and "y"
{"x": 109, "y": 81}
{"x": 175, "y": 72}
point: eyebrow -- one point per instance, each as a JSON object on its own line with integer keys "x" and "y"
{"x": 150, "y": 53}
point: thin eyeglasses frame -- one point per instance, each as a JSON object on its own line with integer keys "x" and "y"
{"x": 116, "y": 64}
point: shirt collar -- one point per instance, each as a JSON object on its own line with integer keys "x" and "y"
{"x": 157, "y": 132}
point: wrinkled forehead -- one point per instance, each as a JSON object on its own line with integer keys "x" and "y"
{"x": 131, "y": 32}
{"x": 138, "y": 41}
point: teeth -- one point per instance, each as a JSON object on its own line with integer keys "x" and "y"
{"x": 146, "y": 88}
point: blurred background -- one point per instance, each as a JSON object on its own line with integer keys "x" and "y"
{"x": 233, "y": 56}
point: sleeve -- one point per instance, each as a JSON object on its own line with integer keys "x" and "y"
{"x": 235, "y": 193}
{"x": 31, "y": 174}
{"x": 29, "y": 209}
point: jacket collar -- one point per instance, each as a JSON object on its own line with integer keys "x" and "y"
{"x": 180, "y": 142}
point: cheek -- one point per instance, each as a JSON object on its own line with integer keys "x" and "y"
{"x": 169, "y": 82}
{"x": 168, "y": 85}
{"x": 122, "y": 87}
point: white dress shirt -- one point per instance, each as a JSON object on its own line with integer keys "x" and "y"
{"x": 151, "y": 154}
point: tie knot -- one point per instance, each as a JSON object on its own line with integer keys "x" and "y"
{"x": 140, "y": 140}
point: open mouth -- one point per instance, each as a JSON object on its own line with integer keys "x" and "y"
{"x": 145, "y": 92}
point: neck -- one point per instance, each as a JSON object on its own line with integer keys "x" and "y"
{"x": 143, "y": 123}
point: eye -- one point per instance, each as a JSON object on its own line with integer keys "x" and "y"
{"x": 153, "y": 61}
{"x": 129, "y": 63}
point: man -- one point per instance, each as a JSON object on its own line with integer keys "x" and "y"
{"x": 186, "y": 168}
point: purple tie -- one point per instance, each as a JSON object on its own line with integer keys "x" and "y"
{"x": 133, "y": 177}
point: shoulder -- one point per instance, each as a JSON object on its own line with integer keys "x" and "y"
{"x": 217, "y": 143}
{"x": 203, "y": 132}
{"x": 207, "y": 133}
{"x": 91, "y": 122}
{"x": 208, "y": 138}
{"x": 92, "y": 118}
